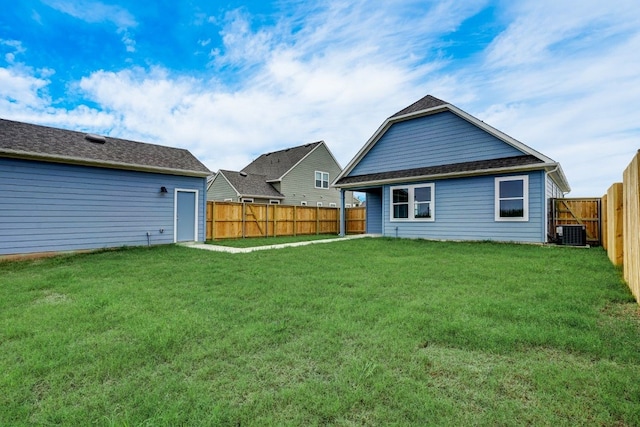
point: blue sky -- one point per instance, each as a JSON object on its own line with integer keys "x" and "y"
{"x": 229, "y": 80}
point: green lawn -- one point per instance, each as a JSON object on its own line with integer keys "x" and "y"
{"x": 360, "y": 332}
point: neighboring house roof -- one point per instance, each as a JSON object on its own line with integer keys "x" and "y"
{"x": 35, "y": 142}
{"x": 276, "y": 164}
{"x": 431, "y": 105}
{"x": 250, "y": 185}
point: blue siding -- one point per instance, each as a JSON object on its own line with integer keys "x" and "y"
{"x": 464, "y": 210}
{"x": 55, "y": 207}
{"x": 439, "y": 139}
{"x": 374, "y": 212}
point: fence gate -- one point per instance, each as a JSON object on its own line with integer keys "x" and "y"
{"x": 572, "y": 211}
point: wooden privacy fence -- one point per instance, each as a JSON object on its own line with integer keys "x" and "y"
{"x": 621, "y": 225}
{"x": 231, "y": 220}
{"x": 584, "y": 211}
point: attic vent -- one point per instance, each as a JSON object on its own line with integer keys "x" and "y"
{"x": 98, "y": 139}
{"x": 243, "y": 173}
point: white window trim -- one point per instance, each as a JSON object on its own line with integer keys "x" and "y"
{"x": 525, "y": 196}
{"x": 321, "y": 180}
{"x": 411, "y": 201}
{"x": 347, "y": 205}
{"x": 246, "y": 200}
{"x": 274, "y": 202}
{"x": 333, "y": 205}
{"x": 303, "y": 203}
{"x": 319, "y": 204}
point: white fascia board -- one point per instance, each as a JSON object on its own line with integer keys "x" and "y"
{"x": 220, "y": 173}
{"x": 100, "y": 164}
{"x": 479, "y": 172}
{"x": 439, "y": 109}
{"x": 321, "y": 143}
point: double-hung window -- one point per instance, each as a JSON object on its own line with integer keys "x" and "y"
{"x": 413, "y": 202}
{"x": 512, "y": 198}
{"x": 322, "y": 179}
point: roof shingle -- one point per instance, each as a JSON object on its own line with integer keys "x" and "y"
{"x": 421, "y": 104}
{"x": 249, "y": 184}
{"x": 18, "y": 139}
{"x": 434, "y": 171}
{"x": 275, "y": 164}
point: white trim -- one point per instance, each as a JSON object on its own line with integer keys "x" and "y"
{"x": 175, "y": 212}
{"x": 303, "y": 203}
{"x": 321, "y": 143}
{"x": 220, "y": 172}
{"x": 17, "y": 154}
{"x": 322, "y": 174}
{"x": 319, "y": 204}
{"x": 247, "y": 200}
{"x": 480, "y": 172}
{"x": 333, "y": 205}
{"x": 525, "y": 198}
{"x": 411, "y": 203}
{"x": 373, "y": 140}
{"x": 274, "y": 202}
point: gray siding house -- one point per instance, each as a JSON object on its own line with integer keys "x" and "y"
{"x": 295, "y": 176}
{"x": 434, "y": 171}
{"x": 62, "y": 190}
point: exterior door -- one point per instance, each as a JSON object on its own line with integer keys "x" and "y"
{"x": 186, "y": 216}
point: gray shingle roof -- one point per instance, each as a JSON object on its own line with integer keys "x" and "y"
{"x": 421, "y": 104}
{"x": 275, "y": 164}
{"x": 434, "y": 171}
{"x": 24, "y": 140}
{"x": 249, "y": 184}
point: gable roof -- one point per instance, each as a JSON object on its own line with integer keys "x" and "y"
{"x": 420, "y": 105}
{"x": 276, "y": 164}
{"x": 429, "y": 105}
{"x": 250, "y": 185}
{"x": 35, "y": 142}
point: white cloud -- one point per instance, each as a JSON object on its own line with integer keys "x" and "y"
{"x": 95, "y": 12}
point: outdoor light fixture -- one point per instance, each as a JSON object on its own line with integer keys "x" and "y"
{"x": 163, "y": 189}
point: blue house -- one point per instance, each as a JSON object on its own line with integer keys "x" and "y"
{"x": 62, "y": 190}
{"x": 433, "y": 171}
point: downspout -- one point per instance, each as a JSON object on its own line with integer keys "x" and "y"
{"x": 342, "y": 213}
{"x": 547, "y": 230}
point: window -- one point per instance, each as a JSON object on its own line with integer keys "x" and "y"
{"x": 274, "y": 202}
{"x": 319, "y": 204}
{"x": 228, "y": 200}
{"x": 413, "y": 202}
{"x": 322, "y": 179}
{"x": 303, "y": 203}
{"x": 512, "y": 198}
{"x": 246, "y": 200}
{"x": 332, "y": 205}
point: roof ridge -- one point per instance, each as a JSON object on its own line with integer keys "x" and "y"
{"x": 426, "y": 102}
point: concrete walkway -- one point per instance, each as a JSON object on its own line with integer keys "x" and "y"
{"x": 231, "y": 250}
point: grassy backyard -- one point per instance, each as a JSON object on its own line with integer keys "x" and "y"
{"x": 361, "y": 332}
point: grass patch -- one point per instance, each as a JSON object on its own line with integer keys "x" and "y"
{"x": 360, "y": 332}
{"x": 252, "y": 242}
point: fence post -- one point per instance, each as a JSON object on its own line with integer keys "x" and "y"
{"x": 295, "y": 223}
{"x": 213, "y": 220}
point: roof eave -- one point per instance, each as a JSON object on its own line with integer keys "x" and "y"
{"x": 479, "y": 172}
{"x": 103, "y": 164}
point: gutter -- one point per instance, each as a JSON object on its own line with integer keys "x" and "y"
{"x": 14, "y": 154}
{"x": 480, "y": 172}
